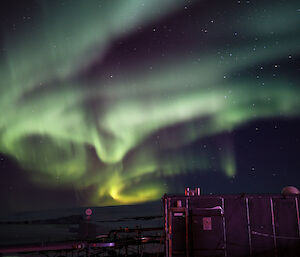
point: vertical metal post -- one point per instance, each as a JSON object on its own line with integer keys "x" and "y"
{"x": 166, "y": 225}
{"x": 187, "y": 244}
{"x": 224, "y": 228}
{"x": 170, "y": 229}
{"x": 249, "y": 227}
{"x": 187, "y": 202}
{"x": 297, "y": 211}
{"x": 273, "y": 225}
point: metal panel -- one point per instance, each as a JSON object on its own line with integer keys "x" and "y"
{"x": 237, "y": 236}
{"x": 261, "y": 226}
{"x": 208, "y": 242}
{"x": 286, "y": 225}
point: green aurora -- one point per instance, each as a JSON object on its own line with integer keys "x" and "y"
{"x": 54, "y": 118}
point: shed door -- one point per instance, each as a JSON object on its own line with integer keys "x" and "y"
{"x": 207, "y": 232}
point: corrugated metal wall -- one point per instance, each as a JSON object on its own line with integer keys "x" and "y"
{"x": 232, "y": 225}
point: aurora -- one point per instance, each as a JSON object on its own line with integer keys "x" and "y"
{"x": 107, "y": 96}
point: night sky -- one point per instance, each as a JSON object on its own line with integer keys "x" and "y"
{"x": 120, "y": 101}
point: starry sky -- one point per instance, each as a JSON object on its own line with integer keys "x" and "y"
{"x": 118, "y": 102}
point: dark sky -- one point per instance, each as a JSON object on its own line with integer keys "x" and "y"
{"x": 119, "y": 102}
